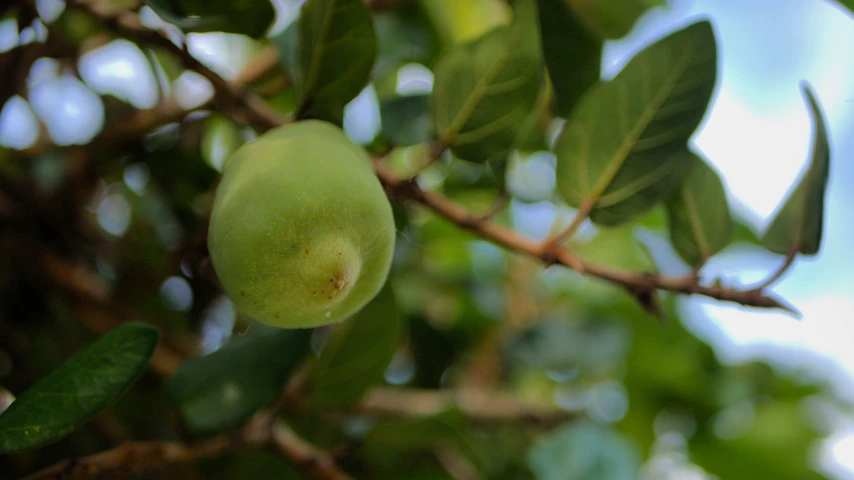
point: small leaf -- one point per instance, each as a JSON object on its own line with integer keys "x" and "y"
{"x": 572, "y": 52}
{"x": 485, "y": 90}
{"x": 219, "y": 391}
{"x": 338, "y": 47}
{"x": 82, "y": 386}
{"x": 613, "y": 18}
{"x": 699, "y": 218}
{"x": 798, "y": 224}
{"x": 358, "y": 353}
{"x": 623, "y": 150}
{"x": 220, "y": 139}
{"x": 247, "y": 17}
{"x": 584, "y": 451}
{"x": 406, "y": 120}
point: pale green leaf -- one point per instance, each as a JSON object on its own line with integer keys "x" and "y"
{"x": 623, "y": 149}
{"x": 485, "y": 90}
{"x": 584, "y": 451}
{"x": 572, "y": 52}
{"x": 82, "y": 386}
{"x": 797, "y": 226}
{"x": 338, "y": 47}
{"x": 699, "y": 219}
{"x": 358, "y": 353}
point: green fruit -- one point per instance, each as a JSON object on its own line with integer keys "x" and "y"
{"x": 301, "y": 232}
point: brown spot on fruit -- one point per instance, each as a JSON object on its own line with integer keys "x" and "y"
{"x": 242, "y": 294}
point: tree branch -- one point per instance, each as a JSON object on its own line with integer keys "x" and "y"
{"x": 139, "y": 457}
{"x": 478, "y": 405}
{"x": 263, "y": 118}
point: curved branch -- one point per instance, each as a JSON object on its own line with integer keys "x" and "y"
{"x": 263, "y": 117}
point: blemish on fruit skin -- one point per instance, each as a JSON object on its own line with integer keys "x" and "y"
{"x": 328, "y": 314}
{"x": 242, "y": 294}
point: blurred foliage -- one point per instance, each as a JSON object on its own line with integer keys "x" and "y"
{"x": 114, "y": 230}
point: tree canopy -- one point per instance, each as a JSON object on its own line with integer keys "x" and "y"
{"x": 550, "y": 226}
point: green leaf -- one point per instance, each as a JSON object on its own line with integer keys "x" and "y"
{"x": 699, "y": 219}
{"x": 220, "y": 139}
{"x": 484, "y": 90}
{"x": 584, "y": 451}
{"x": 338, "y": 47}
{"x": 404, "y": 35}
{"x": 613, "y": 18}
{"x": 248, "y": 17}
{"x": 849, "y": 4}
{"x": 82, "y": 386}
{"x": 406, "y": 120}
{"x": 798, "y": 224}
{"x": 623, "y": 150}
{"x": 219, "y": 391}
{"x": 449, "y": 428}
{"x": 358, "y": 353}
{"x": 572, "y": 52}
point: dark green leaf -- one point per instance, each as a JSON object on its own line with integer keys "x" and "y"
{"x": 82, "y": 386}
{"x": 249, "y": 17}
{"x": 798, "y": 224}
{"x": 288, "y": 46}
{"x": 338, "y": 47}
{"x": 406, "y": 120}
{"x": 446, "y": 429}
{"x": 849, "y": 4}
{"x": 404, "y": 35}
{"x": 357, "y": 354}
{"x": 484, "y": 90}
{"x": 219, "y": 391}
{"x": 623, "y": 150}
{"x": 572, "y": 52}
{"x": 613, "y": 18}
{"x": 584, "y": 451}
{"x": 700, "y": 223}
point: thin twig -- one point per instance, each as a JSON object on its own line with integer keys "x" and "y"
{"x": 477, "y": 405}
{"x": 549, "y": 245}
{"x": 790, "y": 257}
{"x": 306, "y": 457}
{"x": 140, "y": 457}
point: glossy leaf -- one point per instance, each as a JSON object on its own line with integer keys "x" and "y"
{"x": 613, "y": 18}
{"x": 248, "y": 17}
{"x": 797, "y": 226}
{"x": 699, "y": 219}
{"x": 584, "y": 451}
{"x": 485, "y": 90}
{"x": 571, "y": 50}
{"x": 358, "y": 353}
{"x": 338, "y": 48}
{"x": 82, "y": 386}
{"x": 219, "y": 391}
{"x": 624, "y": 148}
{"x": 406, "y": 120}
